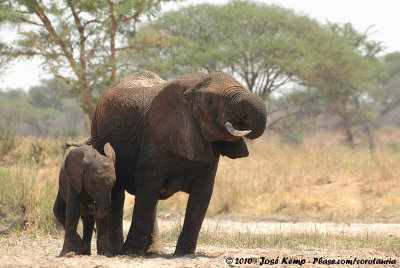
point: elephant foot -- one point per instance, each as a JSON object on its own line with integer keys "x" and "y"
{"x": 132, "y": 252}
{"x": 87, "y": 252}
{"x": 103, "y": 245}
{"x": 116, "y": 246}
{"x": 155, "y": 248}
{"x": 180, "y": 252}
{"x": 77, "y": 246}
{"x": 105, "y": 252}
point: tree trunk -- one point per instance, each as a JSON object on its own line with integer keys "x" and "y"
{"x": 88, "y": 107}
{"x": 349, "y": 133}
{"x": 371, "y": 141}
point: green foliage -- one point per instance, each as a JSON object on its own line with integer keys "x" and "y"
{"x": 388, "y": 94}
{"x": 266, "y": 46}
{"x": 49, "y": 94}
{"x": 46, "y": 110}
{"x": 341, "y": 77}
{"x": 79, "y": 41}
{"x": 329, "y": 69}
{"x": 296, "y": 64}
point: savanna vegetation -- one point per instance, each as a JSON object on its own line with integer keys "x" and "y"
{"x": 342, "y": 184}
{"x": 331, "y": 151}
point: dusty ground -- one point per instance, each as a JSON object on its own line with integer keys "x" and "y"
{"x": 23, "y": 250}
{"x": 274, "y": 227}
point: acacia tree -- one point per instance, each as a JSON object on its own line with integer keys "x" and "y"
{"x": 389, "y": 83}
{"x": 343, "y": 78}
{"x": 260, "y": 44}
{"x": 3, "y": 60}
{"x": 269, "y": 48}
{"x": 80, "y": 41}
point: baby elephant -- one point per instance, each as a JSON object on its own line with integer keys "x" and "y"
{"x": 85, "y": 183}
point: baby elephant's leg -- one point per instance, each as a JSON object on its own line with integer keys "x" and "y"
{"x": 72, "y": 241}
{"x": 88, "y": 226}
{"x": 103, "y": 238}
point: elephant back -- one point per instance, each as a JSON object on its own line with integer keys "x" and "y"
{"x": 119, "y": 112}
{"x": 138, "y": 80}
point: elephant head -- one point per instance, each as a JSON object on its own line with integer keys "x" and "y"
{"x": 97, "y": 178}
{"x": 199, "y": 115}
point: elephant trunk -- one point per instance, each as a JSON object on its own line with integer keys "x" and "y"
{"x": 102, "y": 207}
{"x": 251, "y": 115}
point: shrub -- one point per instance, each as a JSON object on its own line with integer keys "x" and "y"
{"x": 394, "y": 146}
{"x": 25, "y": 200}
{"x": 37, "y": 150}
{"x": 7, "y": 143}
{"x": 56, "y": 148}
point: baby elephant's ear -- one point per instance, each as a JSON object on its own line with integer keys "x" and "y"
{"x": 109, "y": 151}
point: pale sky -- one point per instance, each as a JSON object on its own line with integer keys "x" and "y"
{"x": 383, "y": 14}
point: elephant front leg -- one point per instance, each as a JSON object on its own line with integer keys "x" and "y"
{"x": 72, "y": 241}
{"x": 103, "y": 239}
{"x": 154, "y": 244}
{"x": 199, "y": 199}
{"x": 145, "y": 203}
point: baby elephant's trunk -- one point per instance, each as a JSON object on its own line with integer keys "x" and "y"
{"x": 102, "y": 207}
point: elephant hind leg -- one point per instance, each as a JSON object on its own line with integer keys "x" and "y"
{"x": 59, "y": 209}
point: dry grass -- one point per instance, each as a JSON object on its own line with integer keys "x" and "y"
{"x": 320, "y": 179}
{"x": 296, "y": 241}
{"x": 28, "y": 189}
{"x": 316, "y": 180}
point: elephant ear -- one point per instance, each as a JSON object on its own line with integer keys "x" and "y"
{"x": 173, "y": 126}
{"x": 109, "y": 152}
{"x": 74, "y": 169}
{"x": 234, "y": 149}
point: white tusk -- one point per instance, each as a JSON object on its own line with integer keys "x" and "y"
{"x": 235, "y": 132}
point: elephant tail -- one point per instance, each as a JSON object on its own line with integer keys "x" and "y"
{"x": 77, "y": 144}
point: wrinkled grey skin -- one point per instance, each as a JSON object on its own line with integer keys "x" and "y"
{"x": 168, "y": 137}
{"x": 85, "y": 183}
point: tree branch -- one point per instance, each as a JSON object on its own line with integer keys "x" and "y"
{"x": 270, "y": 125}
{"x": 47, "y": 24}
{"x": 31, "y": 22}
{"x": 91, "y": 21}
{"x": 82, "y": 38}
{"x": 57, "y": 75}
{"x": 113, "y": 32}
{"x": 134, "y": 16}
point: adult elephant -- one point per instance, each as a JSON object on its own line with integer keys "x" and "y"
{"x": 168, "y": 137}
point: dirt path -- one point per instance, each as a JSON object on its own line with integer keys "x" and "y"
{"x": 276, "y": 227}
{"x": 41, "y": 251}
